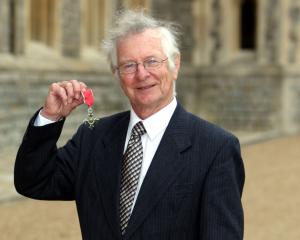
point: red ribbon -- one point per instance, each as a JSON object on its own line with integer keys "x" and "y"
{"x": 88, "y": 97}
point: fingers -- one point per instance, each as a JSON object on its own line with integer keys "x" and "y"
{"x": 77, "y": 87}
{"x": 68, "y": 91}
{"x": 58, "y": 92}
{"x": 62, "y": 98}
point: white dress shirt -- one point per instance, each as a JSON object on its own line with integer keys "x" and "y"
{"x": 41, "y": 121}
{"x": 155, "y": 126}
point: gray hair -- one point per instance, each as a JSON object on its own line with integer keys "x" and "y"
{"x": 130, "y": 22}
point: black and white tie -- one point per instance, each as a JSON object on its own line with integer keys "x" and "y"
{"x": 130, "y": 172}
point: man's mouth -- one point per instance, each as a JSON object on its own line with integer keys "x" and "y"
{"x": 146, "y": 87}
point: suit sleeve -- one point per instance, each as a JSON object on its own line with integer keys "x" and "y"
{"x": 221, "y": 209}
{"x": 41, "y": 170}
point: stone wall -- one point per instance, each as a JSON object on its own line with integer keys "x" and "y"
{"x": 247, "y": 100}
{"x": 291, "y": 101}
{"x": 23, "y": 92}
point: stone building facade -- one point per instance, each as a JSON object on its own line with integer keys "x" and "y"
{"x": 240, "y": 59}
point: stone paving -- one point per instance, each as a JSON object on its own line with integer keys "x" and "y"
{"x": 7, "y": 191}
{"x": 272, "y": 191}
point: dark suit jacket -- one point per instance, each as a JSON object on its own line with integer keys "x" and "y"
{"x": 192, "y": 189}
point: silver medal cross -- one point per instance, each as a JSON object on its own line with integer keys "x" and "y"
{"x": 90, "y": 120}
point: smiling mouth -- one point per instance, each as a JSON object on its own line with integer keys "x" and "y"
{"x": 146, "y": 87}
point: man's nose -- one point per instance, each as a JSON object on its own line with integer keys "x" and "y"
{"x": 142, "y": 72}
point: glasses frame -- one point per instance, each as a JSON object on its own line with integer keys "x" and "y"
{"x": 144, "y": 63}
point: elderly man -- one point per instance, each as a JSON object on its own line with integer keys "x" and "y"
{"x": 154, "y": 172}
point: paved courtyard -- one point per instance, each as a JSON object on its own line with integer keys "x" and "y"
{"x": 271, "y": 200}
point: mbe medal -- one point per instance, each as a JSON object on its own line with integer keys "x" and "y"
{"x": 88, "y": 99}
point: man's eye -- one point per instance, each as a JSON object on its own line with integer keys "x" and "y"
{"x": 151, "y": 62}
{"x": 129, "y": 65}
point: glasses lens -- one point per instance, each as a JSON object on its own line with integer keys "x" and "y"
{"x": 129, "y": 67}
{"x": 152, "y": 63}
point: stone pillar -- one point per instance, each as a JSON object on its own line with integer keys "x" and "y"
{"x": 20, "y": 26}
{"x": 12, "y": 24}
{"x": 71, "y": 27}
{"x": 201, "y": 16}
{"x": 230, "y": 30}
{"x": 215, "y": 43}
{"x": 269, "y": 31}
{"x": 4, "y": 26}
{"x": 293, "y": 34}
{"x": 111, "y": 6}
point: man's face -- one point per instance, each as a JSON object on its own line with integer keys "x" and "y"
{"x": 147, "y": 90}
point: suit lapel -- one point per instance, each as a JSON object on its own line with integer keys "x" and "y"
{"x": 108, "y": 166}
{"x": 165, "y": 166}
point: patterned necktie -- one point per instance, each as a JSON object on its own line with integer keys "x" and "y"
{"x": 130, "y": 172}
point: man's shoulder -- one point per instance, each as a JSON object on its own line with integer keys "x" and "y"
{"x": 202, "y": 128}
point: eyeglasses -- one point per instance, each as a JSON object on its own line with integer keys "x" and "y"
{"x": 149, "y": 64}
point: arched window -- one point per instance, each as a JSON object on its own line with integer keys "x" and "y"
{"x": 248, "y": 25}
{"x": 42, "y": 21}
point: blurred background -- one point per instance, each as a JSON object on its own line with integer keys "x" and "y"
{"x": 240, "y": 70}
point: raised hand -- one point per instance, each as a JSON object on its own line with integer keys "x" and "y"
{"x": 62, "y": 98}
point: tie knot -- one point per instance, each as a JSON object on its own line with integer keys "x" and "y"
{"x": 138, "y": 129}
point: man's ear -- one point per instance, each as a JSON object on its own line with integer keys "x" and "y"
{"x": 177, "y": 66}
{"x": 114, "y": 72}
{"x": 113, "y": 69}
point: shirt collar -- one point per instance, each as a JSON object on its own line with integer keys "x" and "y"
{"x": 157, "y": 122}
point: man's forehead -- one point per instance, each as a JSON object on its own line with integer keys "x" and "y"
{"x": 144, "y": 44}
